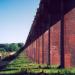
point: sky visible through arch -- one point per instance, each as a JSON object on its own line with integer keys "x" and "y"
{"x": 16, "y": 18}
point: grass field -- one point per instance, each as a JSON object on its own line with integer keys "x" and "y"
{"x": 23, "y": 64}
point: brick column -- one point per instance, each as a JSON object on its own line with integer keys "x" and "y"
{"x": 55, "y": 44}
{"x": 46, "y": 47}
{"x": 38, "y": 50}
{"x": 69, "y": 35}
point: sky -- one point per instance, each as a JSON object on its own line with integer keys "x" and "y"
{"x": 16, "y": 18}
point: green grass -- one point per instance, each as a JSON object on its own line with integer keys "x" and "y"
{"x": 22, "y": 63}
{"x": 16, "y": 65}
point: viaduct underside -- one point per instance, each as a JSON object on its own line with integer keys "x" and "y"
{"x": 51, "y": 39}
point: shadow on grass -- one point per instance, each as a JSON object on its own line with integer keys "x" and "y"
{"x": 5, "y": 61}
{"x": 25, "y": 73}
{"x": 9, "y": 69}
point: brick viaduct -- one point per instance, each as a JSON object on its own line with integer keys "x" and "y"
{"x": 51, "y": 39}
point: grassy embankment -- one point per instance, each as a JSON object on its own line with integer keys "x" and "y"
{"x": 23, "y": 64}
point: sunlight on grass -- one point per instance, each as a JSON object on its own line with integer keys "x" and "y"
{"x": 23, "y": 64}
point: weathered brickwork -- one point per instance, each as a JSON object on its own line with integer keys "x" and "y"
{"x": 34, "y": 51}
{"x": 54, "y": 22}
{"x": 45, "y": 47}
{"x": 55, "y": 44}
{"x": 69, "y": 35}
{"x": 37, "y": 52}
{"x": 40, "y": 54}
{"x": 38, "y": 49}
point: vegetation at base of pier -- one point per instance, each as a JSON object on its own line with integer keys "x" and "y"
{"x": 24, "y": 65}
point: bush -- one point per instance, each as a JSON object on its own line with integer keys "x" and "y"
{"x": 2, "y": 50}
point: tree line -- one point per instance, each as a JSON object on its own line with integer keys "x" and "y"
{"x": 11, "y": 47}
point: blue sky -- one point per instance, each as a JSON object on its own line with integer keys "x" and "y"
{"x": 16, "y": 17}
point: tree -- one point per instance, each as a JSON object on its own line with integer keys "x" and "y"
{"x": 13, "y": 47}
{"x": 20, "y": 44}
{"x": 2, "y": 50}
